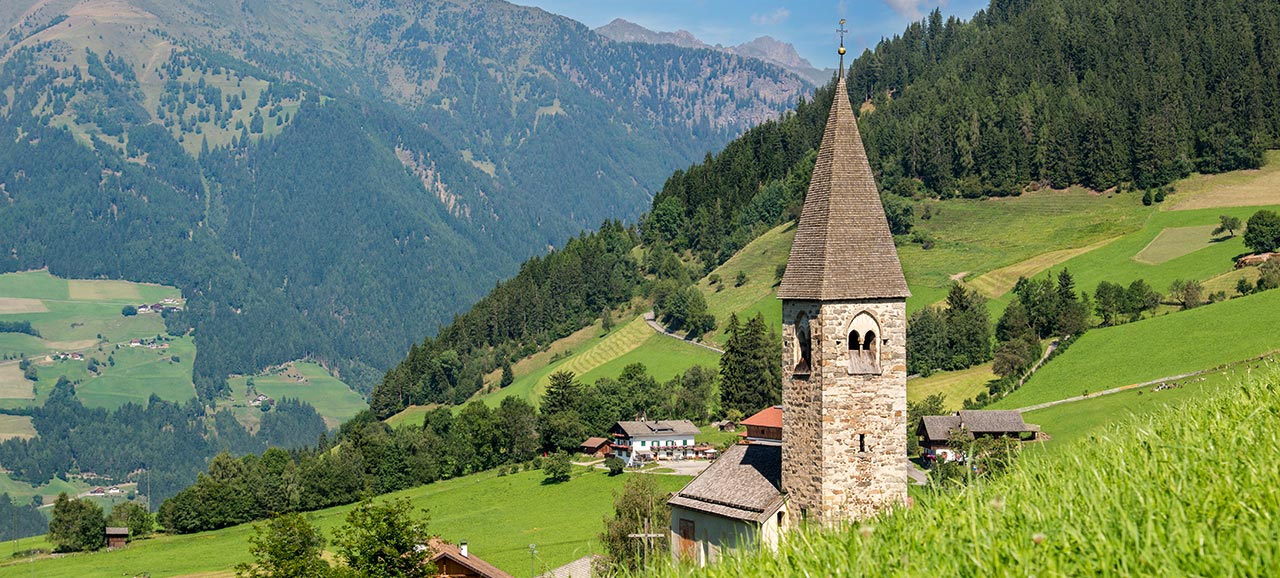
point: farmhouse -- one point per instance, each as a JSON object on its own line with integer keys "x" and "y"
{"x": 116, "y": 537}
{"x": 736, "y": 503}
{"x": 456, "y": 561}
{"x": 765, "y": 426}
{"x": 934, "y": 431}
{"x": 596, "y": 447}
{"x": 637, "y": 442}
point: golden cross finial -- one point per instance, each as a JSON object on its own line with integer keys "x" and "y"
{"x": 842, "y": 32}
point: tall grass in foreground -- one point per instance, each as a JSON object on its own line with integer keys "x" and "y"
{"x": 1190, "y": 491}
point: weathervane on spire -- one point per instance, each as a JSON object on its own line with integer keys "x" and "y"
{"x": 842, "y": 32}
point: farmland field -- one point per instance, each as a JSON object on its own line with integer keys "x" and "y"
{"x": 333, "y": 399}
{"x": 1233, "y": 189}
{"x": 1174, "y": 242}
{"x": 16, "y": 426}
{"x": 956, "y": 386}
{"x": 474, "y": 508}
{"x": 1173, "y": 344}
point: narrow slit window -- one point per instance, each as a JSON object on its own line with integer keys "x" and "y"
{"x": 862, "y": 443}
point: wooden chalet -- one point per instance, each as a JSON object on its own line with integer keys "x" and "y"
{"x": 596, "y": 447}
{"x": 935, "y": 431}
{"x": 117, "y": 537}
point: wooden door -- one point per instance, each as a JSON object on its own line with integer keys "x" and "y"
{"x": 688, "y": 547}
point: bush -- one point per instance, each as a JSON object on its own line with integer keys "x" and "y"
{"x": 557, "y": 467}
{"x": 741, "y": 279}
{"x": 615, "y": 465}
{"x": 129, "y": 311}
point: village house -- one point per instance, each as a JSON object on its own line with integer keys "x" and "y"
{"x": 736, "y": 503}
{"x": 457, "y": 562}
{"x": 638, "y": 442}
{"x": 724, "y": 425}
{"x": 935, "y": 431}
{"x": 596, "y": 447}
{"x": 117, "y": 537}
{"x": 765, "y": 426}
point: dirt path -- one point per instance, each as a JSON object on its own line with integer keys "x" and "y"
{"x": 1112, "y": 390}
{"x": 651, "y": 319}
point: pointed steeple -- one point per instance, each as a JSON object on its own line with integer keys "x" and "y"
{"x": 843, "y": 248}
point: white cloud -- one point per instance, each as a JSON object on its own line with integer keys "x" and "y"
{"x": 913, "y": 9}
{"x": 776, "y": 17}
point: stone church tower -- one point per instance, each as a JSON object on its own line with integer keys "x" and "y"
{"x": 844, "y": 384}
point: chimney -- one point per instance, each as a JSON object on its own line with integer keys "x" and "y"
{"x": 463, "y": 548}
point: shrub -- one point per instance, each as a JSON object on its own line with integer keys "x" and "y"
{"x": 615, "y": 465}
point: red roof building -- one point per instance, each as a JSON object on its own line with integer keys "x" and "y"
{"x": 765, "y": 426}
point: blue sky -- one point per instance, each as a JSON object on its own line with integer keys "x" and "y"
{"x": 810, "y": 25}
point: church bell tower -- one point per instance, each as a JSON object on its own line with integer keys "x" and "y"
{"x": 844, "y": 384}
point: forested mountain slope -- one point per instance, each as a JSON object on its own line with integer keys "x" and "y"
{"x": 1140, "y": 93}
{"x": 334, "y": 179}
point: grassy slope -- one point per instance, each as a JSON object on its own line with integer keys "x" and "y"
{"x": 1233, "y": 189}
{"x": 562, "y": 519}
{"x": 957, "y": 386}
{"x": 332, "y": 398}
{"x": 1162, "y": 346}
{"x": 1190, "y": 491}
{"x": 759, "y": 260}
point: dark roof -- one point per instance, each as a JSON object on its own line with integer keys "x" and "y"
{"x": 768, "y": 417}
{"x": 117, "y": 531}
{"x": 993, "y": 421}
{"x": 594, "y": 442}
{"x": 975, "y": 421}
{"x": 441, "y": 549}
{"x": 649, "y": 429}
{"x": 938, "y": 427}
{"x": 742, "y": 485}
{"x": 843, "y": 248}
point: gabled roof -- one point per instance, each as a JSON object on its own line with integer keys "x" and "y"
{"x": 651, "y": 429}
{"x": 742, "y": 485}
{"x": 594, "y": 442}
{"x": 768, "y": 417}
{"x": 993, "y": 421}
{"x": 117, "y": 531}
{"x": 939, "y": 427}
{"x": 843, "y": 248}
{"x": 986, "y": 421}
{"x": 441, "y": 550}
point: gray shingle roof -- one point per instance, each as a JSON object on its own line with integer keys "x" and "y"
{"x": 843, "y": 248}
{"x": 993, "y": 421}
{"x": 649, "y": 429}
{"x": 938, "y": 427}
{"x": 975, "y": 421}
{"x": 742, "y": 485}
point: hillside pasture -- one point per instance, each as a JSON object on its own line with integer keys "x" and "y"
{"x": 955, "y": 386}
{"x": 1173, "y": 344}
{"x": 562, "y": 519}
{"x": 1000, "y": 281}
{"x": 1174, "y": 242}
{"x": 759, "y": 260}
{"x": 37, "y": 284}
{"x": 16, "y": 426}
{"x": 333, "y": 399}
{"x": 1234, "y": 189}
{"x": 1183, "y": 254}
{"x": 662, "y": 356}
{"x": 412, "y": 415}
{"x": 979, "y": 236}
{"x": 19, "y": 305}
{"x": 13, "y": 385}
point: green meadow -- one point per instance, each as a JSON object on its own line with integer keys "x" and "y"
{"x": 1167, "y": 345}
{"x": 1181, "y": 491}
{"x": 759, "y": 260}
{"x": 562, "y": 520}
{"x": 333, "y": 399}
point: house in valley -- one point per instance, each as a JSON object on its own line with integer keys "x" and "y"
{"x": 935, "y": 431}
{"x": 596, "y": 447}
{"x": 736, "y": 503}
{"x": 765, "y": 426}
{"x": 638, "y": 442}
{"x": 458, "y": 562}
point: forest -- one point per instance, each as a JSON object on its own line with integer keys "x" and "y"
{"x": 123, "y": 445}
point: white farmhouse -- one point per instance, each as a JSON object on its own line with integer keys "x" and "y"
{"x": 637, "y": 442}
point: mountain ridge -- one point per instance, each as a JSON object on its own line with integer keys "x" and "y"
{"x": 764, "y": 48}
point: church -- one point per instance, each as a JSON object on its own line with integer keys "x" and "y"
{"x": 842, "y": 452}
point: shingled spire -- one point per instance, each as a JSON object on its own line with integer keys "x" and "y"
{"x": 843, "y": 248}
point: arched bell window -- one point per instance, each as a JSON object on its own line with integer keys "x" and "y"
{"x": 864, "y": 345}
{"x": 803, "y": 348}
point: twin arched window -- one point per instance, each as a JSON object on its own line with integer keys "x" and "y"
{"x": 864, "y": 345}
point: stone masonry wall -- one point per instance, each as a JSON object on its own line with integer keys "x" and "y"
{"x": 824, "y": 471}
